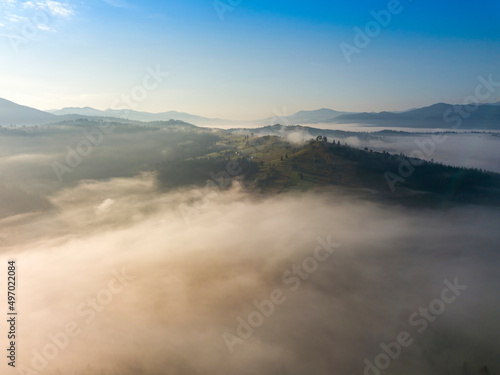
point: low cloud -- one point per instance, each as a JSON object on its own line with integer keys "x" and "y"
{"x": 105, "y": 206}
{"x": 57, "y": 8}
{"x": 189, "y": 283}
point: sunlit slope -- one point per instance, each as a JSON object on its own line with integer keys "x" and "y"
{"x": 271, "y": 164}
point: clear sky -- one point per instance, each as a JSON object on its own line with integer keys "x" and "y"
{"x": 249, "y": 60}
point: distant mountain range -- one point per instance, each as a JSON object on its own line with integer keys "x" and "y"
{"x": 307, "y": 117}
{"x": 142, "y": 116}
{"x": 441, "y": 115}
{"x": 12, "y": 113}
{"x": 484, "y": 116}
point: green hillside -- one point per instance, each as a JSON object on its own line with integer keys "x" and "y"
{"x": 270, "y": 164}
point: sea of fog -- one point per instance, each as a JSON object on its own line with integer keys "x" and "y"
{"x": 118, "y": 276}
{"x": 470, "y": 150}
{"x": 359, "y": 127}
{"x": 114, "y": 280}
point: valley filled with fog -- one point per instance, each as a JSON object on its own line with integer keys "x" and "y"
{"x": 130, "y": 275}
{"x": 471, "y": 150}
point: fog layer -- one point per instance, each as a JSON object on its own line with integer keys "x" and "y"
{"x": 157, "y": 283}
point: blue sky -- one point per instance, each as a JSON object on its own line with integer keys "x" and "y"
{"x": 261, "y": 58}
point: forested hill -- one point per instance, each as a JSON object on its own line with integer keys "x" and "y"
{"x": 270, "y": 164}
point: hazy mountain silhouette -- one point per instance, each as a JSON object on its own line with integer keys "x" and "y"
{"x": 143, "y": 116}
{"x": 441, "y": 115}
{"x": 314, "y": 117}
{"x": 15, "y": 114}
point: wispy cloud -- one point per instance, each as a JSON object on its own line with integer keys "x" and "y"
{"x": 26, "y": 20}
{"x": 13, "y": 11}
{"x": 119, "y": 4}
{"x": 16, "y": 18}
{"x": 59, "y": 9}
{"x": 55, "y": 8}
{"x": 45, "y": 28}
{"x": 28, "y": 5}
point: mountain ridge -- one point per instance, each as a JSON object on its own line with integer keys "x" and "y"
{"x": 439, "y": 115}
{"x": 16, "y": 114}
